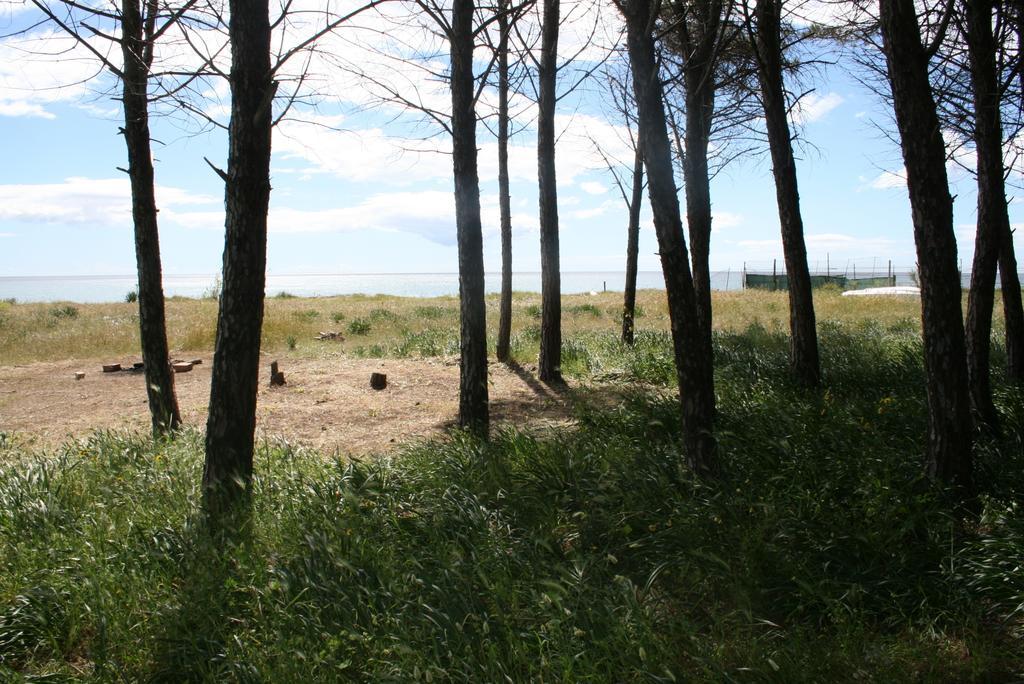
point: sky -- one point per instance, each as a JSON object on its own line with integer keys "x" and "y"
{"x": 363, "y": 186}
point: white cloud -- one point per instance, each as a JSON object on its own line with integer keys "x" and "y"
{"x": 593, "y": 188}
{"x": 22, "y": 108}
{"x": 7, "y": 235}
{"x": 888, "y": 180}
{"x": 45, "y": 68}
{"x": 83, "y": 201}
{"x": 813, "y": 107}
{"x": 725, "y": 219}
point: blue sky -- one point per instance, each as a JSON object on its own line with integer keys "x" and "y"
{"x": 350, "y": 197}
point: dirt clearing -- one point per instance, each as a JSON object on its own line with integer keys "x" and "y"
{"x": 326, "y": 403}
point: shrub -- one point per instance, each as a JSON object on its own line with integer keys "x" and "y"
{"x": 337, "y": 317}
{"x": 131, "y": 297}
{"x": 65, "y": 311}
{"x": 533, "y": 311}
{"x": 359, "y": 326}
{"x": 292, "y": 342}
{"x": 585, "y": 309}
{"x": 431, "y": 312}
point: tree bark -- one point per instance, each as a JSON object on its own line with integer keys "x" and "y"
{"x": 633, "y": 247}
{"x": 163, "y": 404}
{"x": 803, "y": 346}
{"x": 691, "y": 351}
{"x": 504, "y": 196}
{"x": 549, "y": 367}
{"x": 699, "y": 35}
{"x": 473, "y": 401}
{"x": 231, "y": 424}
{"x": 1013, "y": 312}
{"x": 700, "y": 104}
{"x": 948, "y": 457}
{"x": 993, "y": 219}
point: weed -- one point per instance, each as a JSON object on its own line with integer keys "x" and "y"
{"x": 292, "y": 342}
{"x": 359, "y": 326}
{"x": 131, "y": 297}
{"x": 65, "y": 311}
{"x": 337, "y": 316}
{"x": 588, "y": 309}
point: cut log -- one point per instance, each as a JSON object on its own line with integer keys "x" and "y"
{"x": 181, "y": 366}
{"x": 111, "y": 367}
{"x": 79, "y": 375}
{"x": 276, "y": 376}
{"x": 378, "y": 381}
{"x": 197, "y": 362}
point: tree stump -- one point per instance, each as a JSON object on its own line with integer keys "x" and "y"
{"x": 181, "y": 366}
{"x": 276, "y": 376}
{"x": 378, "y": 381}
{"x": 111, "y": 367}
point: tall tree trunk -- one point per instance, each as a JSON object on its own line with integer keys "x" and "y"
{"x": 227, "y": 477}
{"x": 504, "y": 196}
{"x": 550, "y": 364}
{"x": 163, "y": 404}
{"x": 699, "y": 37}
{"x": 473, "y": 403}
{"x": 633, "y": 247}
{"x": 803, "y": 345}
{"x": 948, "y": 457}
{"x": 1013, "y": 313}
{"x": 692, "y": 353}
{"x": 993, "y": 219}
{"x": 700, "y": 105}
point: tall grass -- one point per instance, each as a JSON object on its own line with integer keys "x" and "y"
{"x": 47, "y": 332}
{"x": 583, "y": 554}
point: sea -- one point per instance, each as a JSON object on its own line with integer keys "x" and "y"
{"x": 114, "y": 288}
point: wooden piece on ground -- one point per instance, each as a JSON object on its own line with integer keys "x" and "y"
{"x": 331, "y": 335}
{"x": 378, "y": 381}
{"x": 79, "y": 375}
{"x": 197, "y": 362}
{"x": 276, "y": 376}
{"x": 111, "y": 367}
{"x": 181, "y": 366}
{"x": 139, "y": 366}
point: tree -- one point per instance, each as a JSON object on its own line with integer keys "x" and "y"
{"x": 141, "y": 26}
{"x": 993, "y": 218}
{"x": 765, "y": 32}
{"x": 231, "y": 424}
{"x": 948, "y": 457}
{"x": 701, "y": 32}
{"x": 549, "y": 366}
{"x": 691, "y": 350}
{"x": 473, "y": 398}
{"x": 504, "y": 196}
{"x": 631, "y": 188}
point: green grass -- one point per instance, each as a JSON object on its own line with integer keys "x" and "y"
{"x": 583, "y": 554}
{"x": 49, "y": 332}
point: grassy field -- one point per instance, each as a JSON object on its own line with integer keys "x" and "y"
{"x": 582, "y": 554}
{"x": 395, "y": 326}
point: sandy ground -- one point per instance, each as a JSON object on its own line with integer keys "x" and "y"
{"x": 326, "y": 403}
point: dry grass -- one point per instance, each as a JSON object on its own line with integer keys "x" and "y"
{"x": 390, "y": 326}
